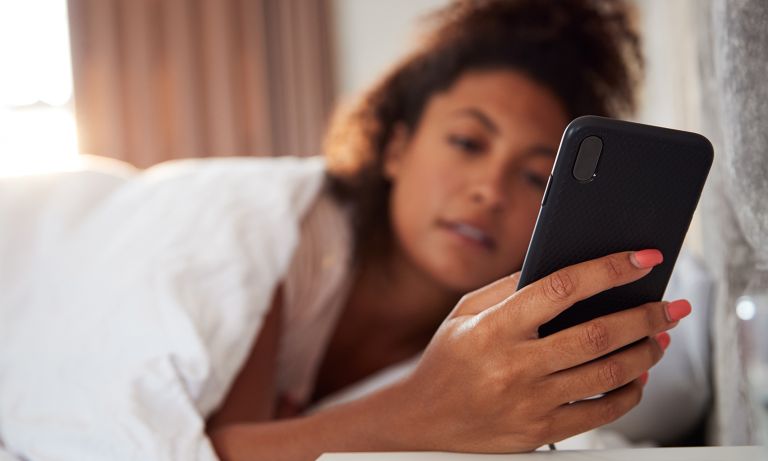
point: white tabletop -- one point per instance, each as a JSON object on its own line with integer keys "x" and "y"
{"x": 629, "y": 454}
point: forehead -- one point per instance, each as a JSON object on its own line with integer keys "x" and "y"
{"x": 508, "y": 97}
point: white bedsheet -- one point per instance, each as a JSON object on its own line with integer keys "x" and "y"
{"x": 128, "y": 302}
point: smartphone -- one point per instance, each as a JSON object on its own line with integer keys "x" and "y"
{"x": 616, "y": 186}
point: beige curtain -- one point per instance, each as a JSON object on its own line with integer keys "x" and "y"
{"x": 163, "y": 79}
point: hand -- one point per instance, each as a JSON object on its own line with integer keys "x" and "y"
{"x": 488, "y": 383}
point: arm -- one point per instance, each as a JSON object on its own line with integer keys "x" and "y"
{"x": 487, "y": 383}
{"x": 253, "y": 394}
{"x": 361, "y": 425}
{"x": 241, "y": 427}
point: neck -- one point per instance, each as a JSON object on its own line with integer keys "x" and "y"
{"x": 399, "y": 299}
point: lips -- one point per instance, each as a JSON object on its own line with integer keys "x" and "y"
{"x": 473, "y": 233}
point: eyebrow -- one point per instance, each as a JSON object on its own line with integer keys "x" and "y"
{"x": 480, "y": 117}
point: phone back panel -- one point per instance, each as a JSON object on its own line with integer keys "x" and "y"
{"x": 646, "y": 187}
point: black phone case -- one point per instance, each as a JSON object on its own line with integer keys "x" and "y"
{"x": 646, "y": 186}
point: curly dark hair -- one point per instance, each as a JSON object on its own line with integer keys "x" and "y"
{"x": 587, "y": 52}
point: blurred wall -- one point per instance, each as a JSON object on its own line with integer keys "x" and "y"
{"x": 370, "y": 35}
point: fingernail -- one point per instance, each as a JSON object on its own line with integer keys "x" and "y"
{"x": 646, "y": 258}
{"x": 663, "y": 339}
{"x": 644, "y": 378}
{"x": 676, "y": 310}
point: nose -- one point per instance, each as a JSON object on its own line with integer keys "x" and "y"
{"x": 489, "y": 189}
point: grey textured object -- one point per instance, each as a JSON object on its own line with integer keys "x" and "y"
{"x": 734, "y": 44}
{"x": 741, "y": 68}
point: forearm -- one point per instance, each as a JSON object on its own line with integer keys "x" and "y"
{"x": 368, "y": 424}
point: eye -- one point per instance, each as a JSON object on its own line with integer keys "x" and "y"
{"x": 465, "y": 143}
{"x": 535, "y": 179}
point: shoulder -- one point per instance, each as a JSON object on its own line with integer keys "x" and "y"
{"x": 325, "y": 248}
{"x": 315, "y": 287}
{"x": 323, "y": 258}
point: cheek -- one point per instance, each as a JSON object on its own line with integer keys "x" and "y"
{"x": 519, "y": 227}
{"x": 418, "y": 196}
{"x": 425, "y": 184}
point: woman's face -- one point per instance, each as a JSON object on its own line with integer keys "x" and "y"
{"x": 467, "y": 183}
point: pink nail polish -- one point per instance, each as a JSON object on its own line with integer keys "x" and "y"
{"x": 663, "y": 339}
{"x": 646, "y": 258}
{"x": 676, "y": 310}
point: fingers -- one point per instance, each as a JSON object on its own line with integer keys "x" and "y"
{"x": 584, "y": 415}
{"x": 590, "y": 340}
{"x": 487, "y": 296}
{"x": 607, "y": 374}
{"x": 544, "y": 299}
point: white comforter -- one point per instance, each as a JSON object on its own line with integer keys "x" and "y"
{"x": 128, "y": 302}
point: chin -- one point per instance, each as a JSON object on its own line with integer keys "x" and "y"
{"x": 464, "y": 279}
{"x": 459, "y": 268}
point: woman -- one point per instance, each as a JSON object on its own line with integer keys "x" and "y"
{"x": 444, "y": 162}
{"x": 433, "y": 185}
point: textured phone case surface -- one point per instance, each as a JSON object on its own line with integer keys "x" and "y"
{"x": 647, "y": 184}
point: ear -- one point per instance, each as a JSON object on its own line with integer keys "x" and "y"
{"x": 395, "y": 152}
